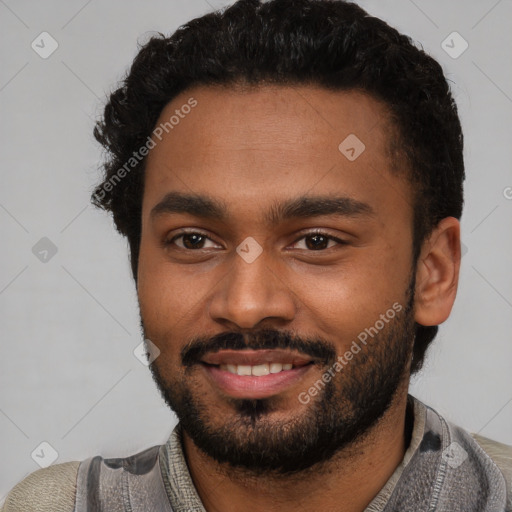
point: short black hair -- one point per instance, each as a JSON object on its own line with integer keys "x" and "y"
{"x": 334, "y": 44}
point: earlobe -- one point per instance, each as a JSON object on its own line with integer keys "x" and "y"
{"x": 437, "y": 273}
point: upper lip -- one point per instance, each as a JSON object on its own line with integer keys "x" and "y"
{"x": 256, "y": 357}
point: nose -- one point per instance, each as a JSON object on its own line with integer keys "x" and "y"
{"x": 252, "y": 293}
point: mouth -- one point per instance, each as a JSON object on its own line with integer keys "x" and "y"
{"x": 255, "y": 373}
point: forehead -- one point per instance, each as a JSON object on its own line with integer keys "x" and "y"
{"x": 270, "y": 142}
{"x": 300, "y": 118}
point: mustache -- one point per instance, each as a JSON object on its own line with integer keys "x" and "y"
{"x": 316, "y": 348}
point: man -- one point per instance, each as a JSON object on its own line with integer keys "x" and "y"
{"x": 289, "y": 178}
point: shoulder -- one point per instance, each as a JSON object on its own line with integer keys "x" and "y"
{"x": 501, "y": 454}
{"x": 52, "y": 489}
{"x": 64, "y": 487}
{"x": 485, "y": 465}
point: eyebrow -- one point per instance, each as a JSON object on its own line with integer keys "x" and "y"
{"x": 301, "y": 207}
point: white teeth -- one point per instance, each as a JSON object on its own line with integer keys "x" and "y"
{"x": 256, "y": 370}
{"x": 275, "y": 367}
{"x": 230, "y": 368}
{"x": 243, "y": 369}
{"x": 260, "y": 369}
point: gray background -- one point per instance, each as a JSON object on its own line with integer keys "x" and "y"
{"x": 68, "y": 375}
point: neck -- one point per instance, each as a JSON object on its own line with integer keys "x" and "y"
{"x": 348, "y": 481}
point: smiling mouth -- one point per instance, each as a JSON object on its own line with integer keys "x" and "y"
{"x": 258, "y": 370}
{"x": 255, "y": 373}
{"x": 256, "y": 362}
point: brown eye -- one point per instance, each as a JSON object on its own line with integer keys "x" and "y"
{"x": 189, "y": 241}
{"x": 319, "y": 241}
{"x": 315, "y": 242}
{"x": 193, "y": 241}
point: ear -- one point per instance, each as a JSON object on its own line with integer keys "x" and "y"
{"x": 437, "y": 273}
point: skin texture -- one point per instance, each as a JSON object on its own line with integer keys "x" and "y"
{"x": 251, "y": 149}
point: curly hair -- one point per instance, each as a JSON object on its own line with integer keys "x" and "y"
{"x": 330, "y": 43}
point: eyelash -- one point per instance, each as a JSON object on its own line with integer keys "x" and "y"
{"x": 305, "y": 235}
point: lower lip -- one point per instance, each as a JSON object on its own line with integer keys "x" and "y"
{"x": 247, "y": 386}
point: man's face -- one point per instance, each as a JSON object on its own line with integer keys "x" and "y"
{"x": 264, "y": 245}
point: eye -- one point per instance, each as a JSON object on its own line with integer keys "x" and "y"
{"x": 194, "y": 240}
{"x": 318, "y": 241}
{"x": 190, "y": 240}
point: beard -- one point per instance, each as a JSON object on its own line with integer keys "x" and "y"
{"x": 345, "y": 409}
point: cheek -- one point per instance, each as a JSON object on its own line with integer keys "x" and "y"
{"x": 155, "y": 289}
{"x": 162, "y": 300}
{"x": 347, "y": 299}
{"x": 170, "y": 297}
